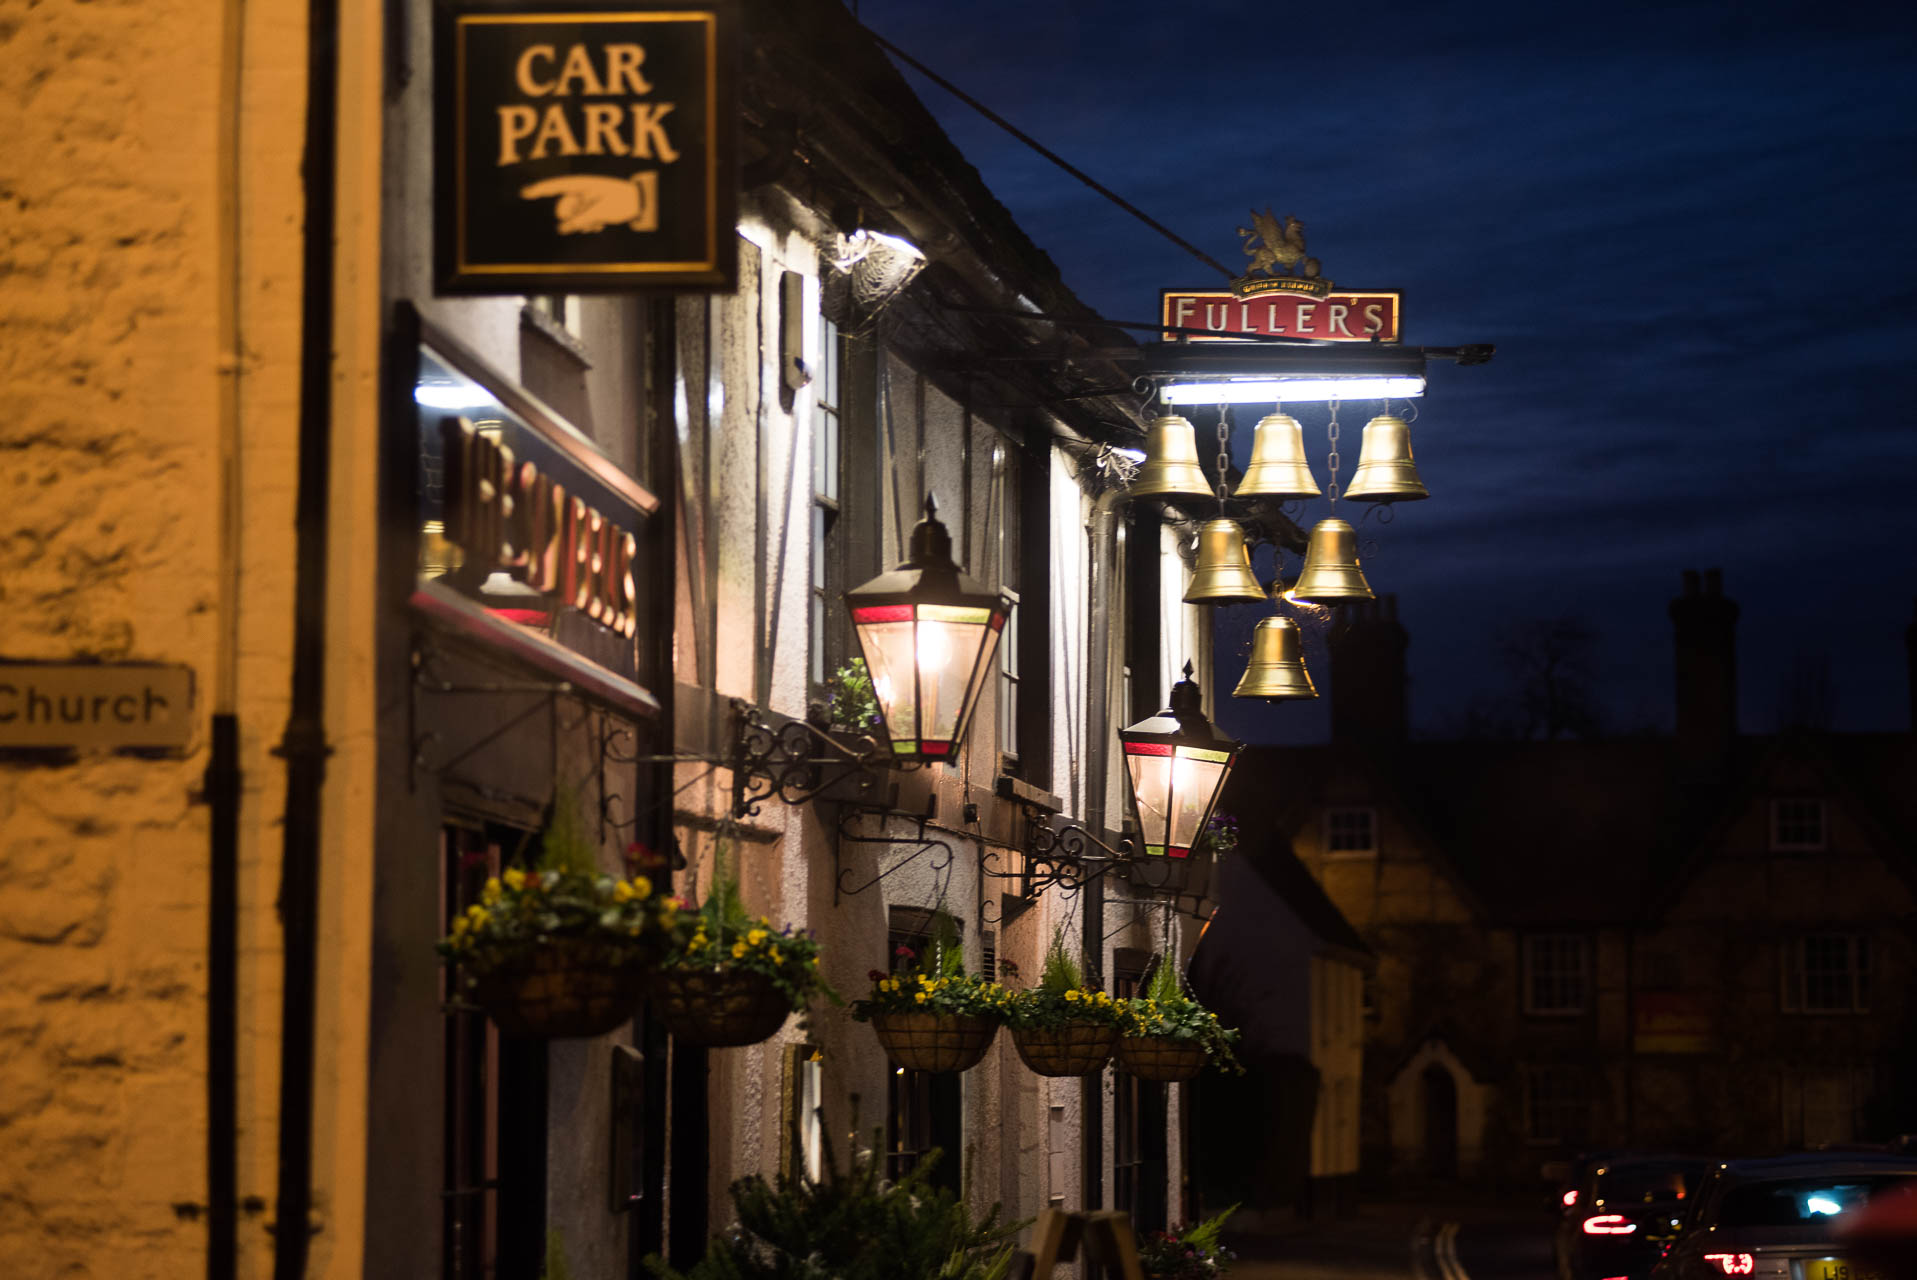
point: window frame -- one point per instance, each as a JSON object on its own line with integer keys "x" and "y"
{"x": 1778, "y": 824}
{"x": 825, "y": 650}
{"x": 1330, "y": 826}
{"x": 1575, "y": 1101}
{"x": 1795, "y": 975}
{"x": 1529, "y": 973}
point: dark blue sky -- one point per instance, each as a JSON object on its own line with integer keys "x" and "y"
{"x": 1688, "y": 229}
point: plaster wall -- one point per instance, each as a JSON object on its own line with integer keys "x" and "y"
{"x": 152, "y": 365}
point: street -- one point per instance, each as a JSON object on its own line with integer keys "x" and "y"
{"x": 1449, "y": 1242}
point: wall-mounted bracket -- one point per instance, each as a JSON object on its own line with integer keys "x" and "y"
{"x": 798, "y": 761}
{"x": 851, "y": 818}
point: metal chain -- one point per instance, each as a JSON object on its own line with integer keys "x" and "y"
{"x": 1331, "y": 490}
{"x": 1224, "y": 453}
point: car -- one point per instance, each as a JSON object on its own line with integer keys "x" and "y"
{"x": 1578, "y": 1168}
{"x": 1778, "y": 1218}
{"x": 1624, "y": 1213}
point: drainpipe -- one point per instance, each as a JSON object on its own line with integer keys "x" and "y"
{"x": 1098, "y": 735}
{"x": 303, "y": 745}
{"x": 222, "y": 783}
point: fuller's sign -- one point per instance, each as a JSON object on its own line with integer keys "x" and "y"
{"x": 1343, "y": 315}
{"x": 586, "y": 149}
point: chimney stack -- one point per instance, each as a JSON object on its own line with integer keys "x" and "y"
{"x": 1704, "y": 624}
{"x": 1367, "y": 673}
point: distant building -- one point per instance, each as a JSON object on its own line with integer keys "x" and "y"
{"x": 1698, "y": 941}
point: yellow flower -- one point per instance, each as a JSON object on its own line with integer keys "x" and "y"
{"x": 754, "y": 938}
{"x": 920, "y": 997}
{"x": 641, "y": 888}
{"x": 460, "y": 926}
{"x": 764, "y": 921}
{"x": 738, "y": 951}
{"x": 622, "y": 892}
{"x": 815, "y": 960}
{"x": 698, "y": 940}
{"x": 1071, "y": 995}
{"x": 515, "y": 879}
{"x": 774, "y": 954}
{"x": 491, "y": 892}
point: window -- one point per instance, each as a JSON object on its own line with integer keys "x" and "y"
{"x": 1557, "y": 1105}
{"x": 1005, "y": 555}
{"x": 1139, "y": 1154}
{"x": 1556, "y": 973}
{"x": 1827, "y": 973}
{"x": 1351, "y": 831}
{"x": 1797, "y": 824}
{"x": 823, "y": 653}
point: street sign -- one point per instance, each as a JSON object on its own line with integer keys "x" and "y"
{"x": 586, "y": 149}
{"x": 111, "y": 705}
{"x": 1343, "y": 315}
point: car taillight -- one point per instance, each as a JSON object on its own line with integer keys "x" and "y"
{"x": 1733, "y": 1264}
{"x": 1570, "y": 1198}
{"x": 1609, "y": 1224}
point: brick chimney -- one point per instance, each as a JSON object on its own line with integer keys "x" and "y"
{"x": 1367, "y": 673}
{"x": 1704, "y": 625}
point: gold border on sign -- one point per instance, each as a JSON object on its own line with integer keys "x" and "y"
{"x": 1225, "y": 295}
{"x": 709, "y": 20}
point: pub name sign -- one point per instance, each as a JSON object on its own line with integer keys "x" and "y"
{"x": 584, "y": 149}
{"x": 1341, "y": 315}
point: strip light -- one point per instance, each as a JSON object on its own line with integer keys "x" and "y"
{"x": 1291, "y": 390}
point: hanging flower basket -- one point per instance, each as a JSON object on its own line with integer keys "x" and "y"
{"x": 565, "y": 988}
{"x": 1071, "y": 1049}
{"x": 719, "y": 1008}
{"x": 1161, "y": 1058}
{"x": 934, "y": 1041}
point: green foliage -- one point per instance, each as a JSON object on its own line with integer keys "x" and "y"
{"x": 556, "y": 1267}
{"x": 850, "y": 699}
{"x": 1061, "y": 972}
{"x": 1220, "y": 835}
{"x": 853, "y": 1226}
{"x": 1187, "y": 1253}
{"x": 565, "y": 896}
{"x": 721, "y": 935}
{"x": 1165, "y": 1009}
{"x": 565, "y": 846}
{"x": 962, "y": 993}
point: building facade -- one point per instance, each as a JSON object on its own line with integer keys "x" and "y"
{"x": 255, "y": 442}
{"x": 1693, "y": 942}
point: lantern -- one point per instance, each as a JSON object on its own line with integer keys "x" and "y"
{"x": 1177, "y": 764}
{"x": 928, "y": 632}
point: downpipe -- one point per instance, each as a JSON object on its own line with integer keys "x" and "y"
{"x": 303, "y": 745}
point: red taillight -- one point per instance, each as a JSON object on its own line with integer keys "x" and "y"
{"x": 1609, "y": 1224}
{"x": 1570, "y": 1198}
{"x": 1733, "y": 1264}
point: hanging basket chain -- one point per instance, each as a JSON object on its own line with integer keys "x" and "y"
{"x": 1224, "y": 453}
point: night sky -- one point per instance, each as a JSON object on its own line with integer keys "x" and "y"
{"x": 1688, "y": 229}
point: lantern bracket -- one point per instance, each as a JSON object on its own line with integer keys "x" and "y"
{"x": 849, "y": 821}
{"x": 795, "y": 760}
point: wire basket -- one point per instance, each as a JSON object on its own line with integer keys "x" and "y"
{"x": 1075, "y": 1049}
{"x": 1161, "y": 1058}
{"x": 934, "y": 1041}
{"x": 566, "y": 988}
{"x": 719, "y": 1008}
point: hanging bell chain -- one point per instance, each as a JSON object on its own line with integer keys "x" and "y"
{"x": 1331, "y": 490}
{"x": 1224, "y": 452}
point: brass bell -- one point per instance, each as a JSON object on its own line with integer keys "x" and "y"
{"x": 1277, "y": 668}
{"x": 1385, "y": 471}
{"x": 1278, "y": 468}
{"x": 1171, "y": 461}
{"x": 1330, "y": 572}
{"x": 1223, "y": 575}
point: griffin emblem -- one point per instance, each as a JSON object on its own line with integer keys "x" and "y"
{"x": 1277, "y": 251}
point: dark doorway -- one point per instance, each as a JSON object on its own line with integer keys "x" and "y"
{"x": 1440, "y": 1122}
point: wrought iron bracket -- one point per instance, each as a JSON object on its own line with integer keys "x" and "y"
{"x": 798, "y": 761}
{"x": 922, "y": 844}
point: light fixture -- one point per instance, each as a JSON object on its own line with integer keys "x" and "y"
{"x": 1177, "y": 765}
{"x": 1290, "y": 390}
{"x": 928, "y": 632}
